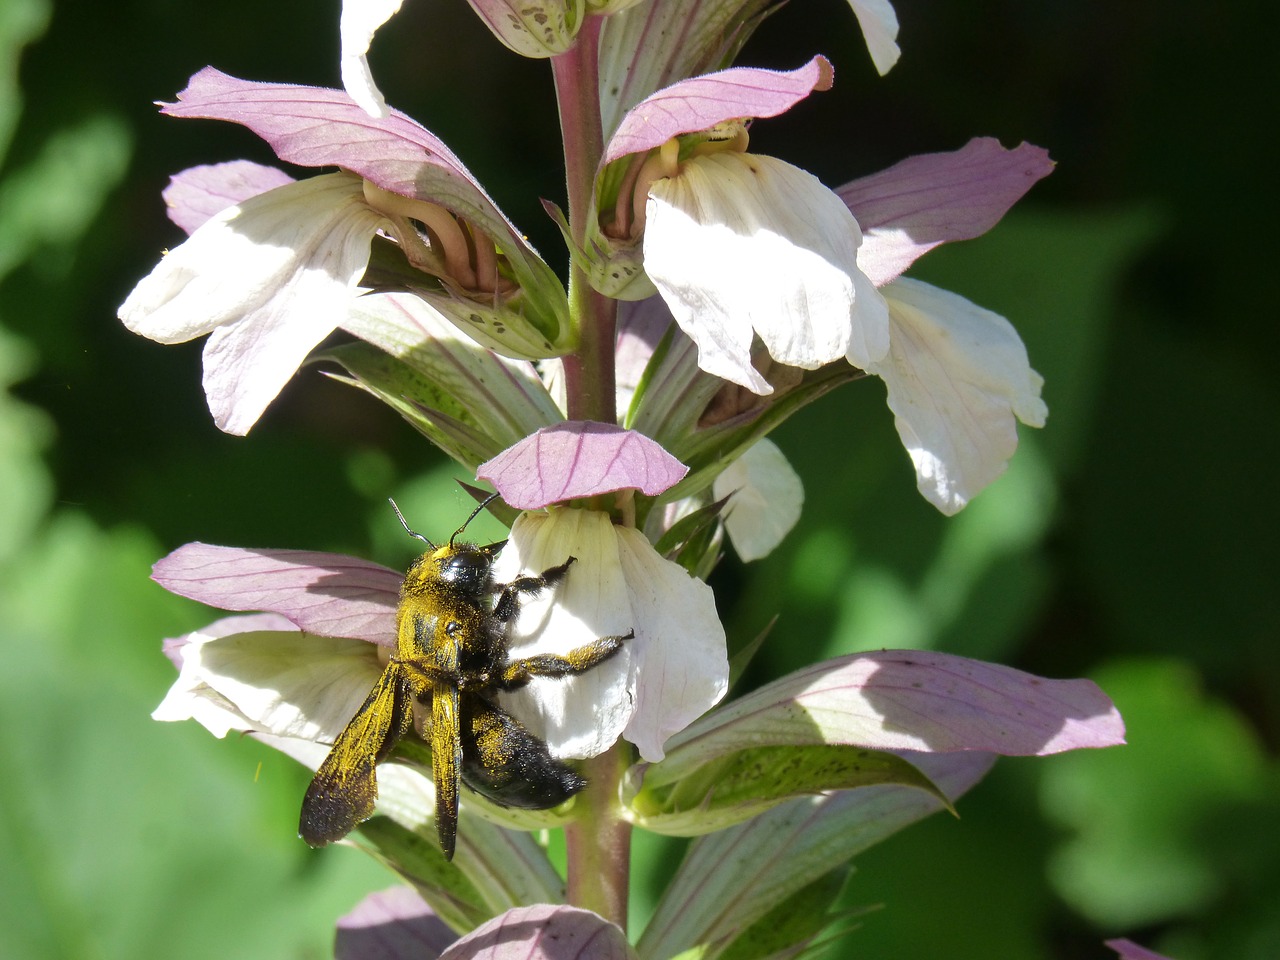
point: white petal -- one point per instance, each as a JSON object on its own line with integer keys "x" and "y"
{"x": 671, "y": 672}
{"x": 287, "y": 684}
{"x": 767, "y": 497}
{"x": 740, "y": 244}
{"x": 683, "y": 668}
{"x": 578, "y": 716}
{"x": 957, "y": 377}
{"x": 360, "y": 20}
{"x": 879, "y": 25}
{"x": 270, "y": 278}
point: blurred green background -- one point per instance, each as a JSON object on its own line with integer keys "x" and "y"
{"x": 1132, "y": 541}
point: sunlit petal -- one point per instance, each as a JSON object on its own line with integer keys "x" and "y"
{"x": 958, "y": 379}
{"x": 269, "y": 278}
{"x": 580, "y": 458}
{"x": 289, "y": 684}
{"x": 879, "y": 25}
{"x": 671, "y": 672}
{"x": 739, "y": 245}
{"x": 360, "y": 20}
{"x": 765, "y": 499}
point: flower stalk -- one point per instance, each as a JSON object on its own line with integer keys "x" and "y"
{"x": 598, "y": 842}
{"x": 589, "y": 373}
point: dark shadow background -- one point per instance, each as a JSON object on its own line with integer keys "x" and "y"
{"x": 1133, "y": 540}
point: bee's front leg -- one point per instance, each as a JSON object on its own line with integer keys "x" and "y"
{"x": 508, "y": 602}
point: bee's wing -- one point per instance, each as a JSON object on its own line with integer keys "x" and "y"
{"x": 446, "y": 761}
{"x": 345, "y": 788}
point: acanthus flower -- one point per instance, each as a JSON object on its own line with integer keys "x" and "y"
{"x": 741, "y": 245}
{"x": 466, "y": 260}
{"x": 957, "y": 375}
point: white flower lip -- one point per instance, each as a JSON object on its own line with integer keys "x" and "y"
{"x": 741, "y": 245}
{"x": 268, "y": 278}
{"x": 958, "y": 378}
{"x": 765, "y": 499}
{"x": 359, "y": 21}
{"x": 283, "y": 683}
{"x": 672, "y": 671}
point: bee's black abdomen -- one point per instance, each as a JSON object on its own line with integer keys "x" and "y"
{"x": 506, "y": 763}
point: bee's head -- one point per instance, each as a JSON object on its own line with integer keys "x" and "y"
{"x": 464, "y": 566}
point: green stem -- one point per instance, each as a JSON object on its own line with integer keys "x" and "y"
{"x": 598, "y": 842}
{"x": 589, "y": 371}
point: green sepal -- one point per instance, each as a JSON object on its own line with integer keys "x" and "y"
{"x": 790, "y": 927}
{"x": 731, "y": 878}
{"x": 742, "y": 657}
{"x": 694, "y": 540}
{"x": 656, "y": 360}
{"x": 735, "y": 787}
{"x": 454, "y": 898}
{"x": 615, "y": 268}
{"x": 465, "y": 398}
{"x": 493, "y": 870}
{"x": 410, "y": 395}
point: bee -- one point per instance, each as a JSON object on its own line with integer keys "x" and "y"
{"x": 451, "y": 657}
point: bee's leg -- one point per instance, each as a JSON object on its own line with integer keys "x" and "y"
{"x": 508, "y": 602}
{"x": 579, "y": 660}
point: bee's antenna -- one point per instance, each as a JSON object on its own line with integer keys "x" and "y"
{"x": 404, "y": 523}
{"x": 474, "y": 513}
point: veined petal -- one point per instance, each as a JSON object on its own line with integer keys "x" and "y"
{"x": 270, "y": 278}
{"x": 392, "y": 924}
{"x": 580, "y": 458}
{"x": 700, "y": 103}
{"x": 323, "y": 593}
{"x": 957, "y": 376}
{"x": 543, "y": 932}
{"x": 360, "y": 20}
{"x": 879, "y": 25}
{"x": 1128, "y": 950}
{"x": 765, "y": 499}
{"x": 656, "y": 43}
{"x": 905, "y": 700}
{"x": 197, "y": 193}
{"x": 741, "y": 244}
{"x": 922, "y": 201}
{"x": 672, "y": 671}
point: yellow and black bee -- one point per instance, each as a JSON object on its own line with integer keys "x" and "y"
{"x": 451, "y": 655}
